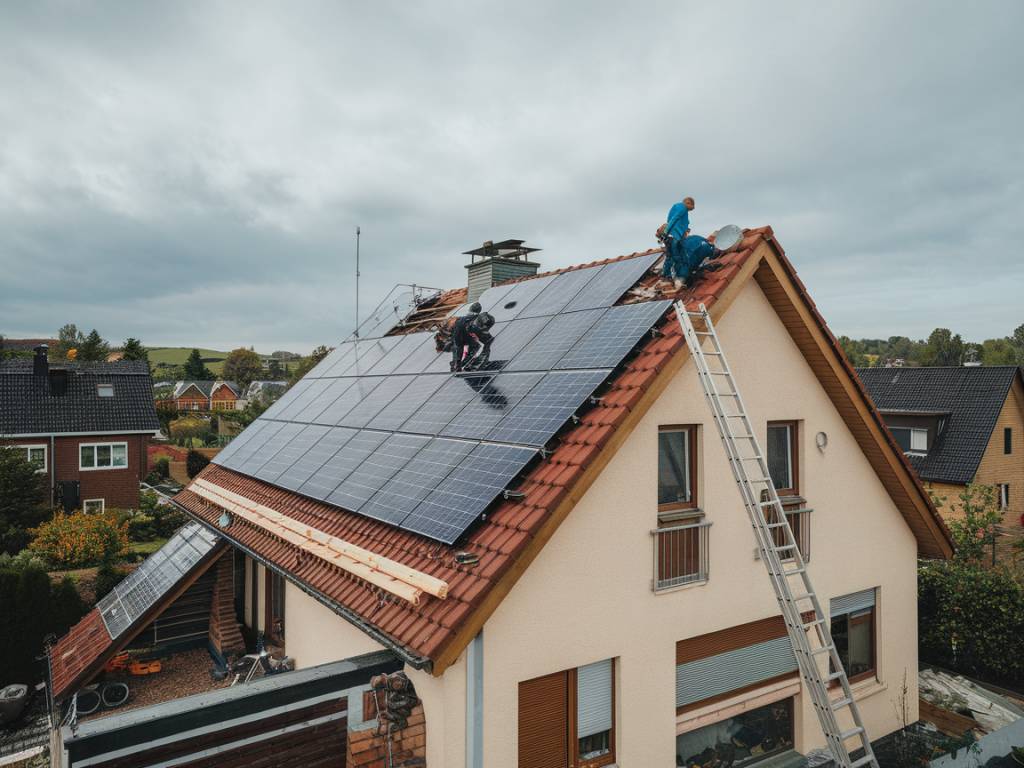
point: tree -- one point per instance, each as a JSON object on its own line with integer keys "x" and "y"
{"x": 998, "y": 352}
{"x": 243, "y": 366}
{"x": 133, "y": 350}
{"x": 854, "y": 351}
{"x": 1017, "y": 340}
{"x": 973, "y": 523}
{"x": 195, "y": 369}
{"x": 68, "y": 338}
{"x": 309, "y": 363}
{"x": 195, "y": 462}
{"x": 274, "y": 370}
{"x": 22, "y": 496}
{"x": 94, "y": 349}
{"x": 943, "y": 348}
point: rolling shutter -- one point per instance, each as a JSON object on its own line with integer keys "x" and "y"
{"x": 594, "y": 698}
{"x": 729, "y": 671}
{"x": 858, "y": 601}
{"x": 544, "y": 722}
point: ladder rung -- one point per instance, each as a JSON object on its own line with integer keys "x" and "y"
{"x": 804, "y": 596}
{"x": 851, "y": 733}
{"x": 716, "y": 354}
{"x": 834, "y": 676}
{"x": 776, "y": 525}
{"x": 718, "y": 373}
{"x": 795, "y": 571}
{"x": 786, "y": 548}
{"x": 823, "y": 649}
{"x": 866, "y": 760}
{"x": 768, "y": 503}
{"x": 813, "y": 623}
{"x": 839, "y": 704}
{"x": 703, "y": 333}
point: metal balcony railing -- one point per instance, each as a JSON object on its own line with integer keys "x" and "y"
{"x": 799, "y": 520}
{"x": 680, "y": 555}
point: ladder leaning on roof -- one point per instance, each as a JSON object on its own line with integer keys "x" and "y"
{"x": 777, "y": 544}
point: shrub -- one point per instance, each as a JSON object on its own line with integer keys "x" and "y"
{"x": 79, "y": 540}
{"x": 108, "y": 577}
{"x": 162, "y": 467}
{"x": 141, "y": 528}
{"x": 194, "y": 463}
{"x": 22, "y": 496}
{"x": 166, "y": 518}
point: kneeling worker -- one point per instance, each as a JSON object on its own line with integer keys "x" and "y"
{"x": 471, "y": 341}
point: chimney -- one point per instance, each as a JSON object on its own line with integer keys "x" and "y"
{"x": 494, "y": 263}
{"x": 40, "y": 363}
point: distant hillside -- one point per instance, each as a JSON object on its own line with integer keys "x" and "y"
{"x": 178, "y": 355}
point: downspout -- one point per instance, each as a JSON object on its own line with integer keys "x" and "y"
{"x": 475, "y": 702}
{"x": 53, "y": 470}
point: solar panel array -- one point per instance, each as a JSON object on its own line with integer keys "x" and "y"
{"x": 381, "y": 427}
{"x": 159, "y": 572}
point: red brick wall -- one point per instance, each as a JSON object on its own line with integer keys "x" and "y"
{"x": 225, "y": 635}
{"x": 366, "y": 749}
{"x": 224, "y": 395}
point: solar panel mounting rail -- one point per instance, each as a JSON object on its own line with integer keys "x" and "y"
{"x": 775, "y": 539}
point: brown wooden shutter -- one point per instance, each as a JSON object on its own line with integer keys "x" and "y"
{"x": 544, "y": 722}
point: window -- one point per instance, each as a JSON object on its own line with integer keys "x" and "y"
{"x": 102, "y": 455}
{"x": 853, "y": 632}
{"x": 568, "y": 718}
{"x": 911, "y": 439}
{"x": 93, "y": 505}
{"x": 105, "y": 390}
{"x": 274, "y": 622}
{"x": 1004, "y": 497}
{"x": 1007, "y": 440}
{"x": 677, "y": 467}
{"x": 782, "y": 456}
{"x": 35, "y": 454}
{"x": 746, "y": 739}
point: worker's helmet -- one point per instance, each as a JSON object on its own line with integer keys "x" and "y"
{"x": 484, "y": 321}
{"x": 475, "y": 308}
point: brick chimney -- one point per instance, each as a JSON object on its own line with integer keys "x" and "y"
{"x": 494, "y": 263}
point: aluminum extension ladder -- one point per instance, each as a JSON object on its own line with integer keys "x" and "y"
{"x": 778, "y": 546}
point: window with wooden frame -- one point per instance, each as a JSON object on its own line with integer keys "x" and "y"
{"x": 783, "y": 458}
{"x": 677, "y": 467}
{"x": 855, "y": 633}
{"x": 568, "y": 719}
{"x": 274, "y": 606}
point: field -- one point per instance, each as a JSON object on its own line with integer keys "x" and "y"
{"x": 178, "y": 355}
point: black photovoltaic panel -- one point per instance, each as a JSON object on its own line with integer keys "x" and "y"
{"x": 270, "y": 449}
{"x": 611, "y": 282}
{"x": 335, "y": 357}
{"x": 389, "y": 388}
{"x": 559, "y": 292}
{"x": 547, "y": 407}
{"x": 333, "y": 389}
{"x": 296, "y": 448}
{"x": 441, "y": 407}
{"x": 239, "y": 457}
{"x": 422, "y": 357}
{"x": 366, "y": 354}
{"x": 520, "y": 295}
{"x": 395, "y": 413}
{"x": 400, "y": 495}
{"x": 487, "y": 300}
{"x": 407, "y": 346}
{"x": 617, "y": 332}
{"x": 287, "y": 398}
{"x": 461, "y": 497}
{"x": 546, "y": 349}
{"x": 314, "y": 458}
{"x": 496, "y": 397}
{"x": 511, "y": 337}
{"x": 235, "y": 445}
{"x": 340, "y": 465}
{"x": 298, "y": 403}
{"x": 376, "y": 469}
{"x": 346, "y": 401}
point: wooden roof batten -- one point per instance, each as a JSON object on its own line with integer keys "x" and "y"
{"x": 390, "y": 575}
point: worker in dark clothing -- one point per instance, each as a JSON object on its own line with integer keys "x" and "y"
{"x": 673, "y": 235}
{"x": 698, "y": 257}
{"x": 443, "y": 336}
{"x": 471, "y": 341}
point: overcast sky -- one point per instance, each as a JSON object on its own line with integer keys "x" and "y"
{"x": 193, "y": 173}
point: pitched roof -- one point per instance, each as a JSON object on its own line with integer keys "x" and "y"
{"x": 28, "y": 407}
{"x": 969, "y": 400}
{"x": 205, "y": 388}
{"x": 435, "y": 631}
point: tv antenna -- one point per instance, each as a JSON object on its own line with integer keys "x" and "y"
{"x": 357, "y": 283}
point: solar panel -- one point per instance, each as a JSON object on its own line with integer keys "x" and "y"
{"x": 346, "y": 401}
{"x": 308, "y": 395}
{"x": 390, "y": 313}
{"x": 340, "y": 465}
{"x": 512, "y": 303}
{"x": 423, "y": 356}
{"x": 135, "y": 594}
{"x": 240, "y": 440}
{"x": 294, "y": 450}
{"x": 267, "y": 451}
{"x": 401, "y": 352}
{"x": 264, "y": 431}
{"x": 399, "y": 495}
{"x": 395, "y": 413}
{"x": 387, "y": 390}
{"x": 461, "y": 497}
{"x": 559, "y": 292}
{"x": 334, "y": 357}
{"x": 487, "y": 300}
{"x": 287, "y": 398}
{"x": 617, "y": 332}
{"x": 547, "y": 407}
{"x": 367, "y": 353}
{"x": 496, "y": 397}
{"x": 317, "y": 455}
{"x": 375, "y": 470}
{"x": 433, "y": 416}
{"x": 334, "y": 389}
{"x": 611, "y": 282}
{"x": 542, "y": 352}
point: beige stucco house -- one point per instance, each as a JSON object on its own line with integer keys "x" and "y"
{"x": 609, "y": 607}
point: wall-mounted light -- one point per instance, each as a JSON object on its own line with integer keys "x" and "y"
{"x": 821, "y": 440}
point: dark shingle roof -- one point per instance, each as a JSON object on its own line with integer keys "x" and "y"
{"x": 27, "y": 406}
{"x": 973, "y": 398}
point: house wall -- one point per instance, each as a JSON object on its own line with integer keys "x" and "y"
{"x": 223, "y": 399}
{"x": 192, "y": 402}
{"x": 997, "y": 467}
{"x": 314, "y": 634}
{"x": 588, "y": 594}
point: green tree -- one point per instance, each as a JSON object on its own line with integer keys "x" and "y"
{"x": 94, "y": 349}
{"x": 973, "y": 523}
{"x": 68, "y": 338}
{"x": 195, "y": 369}
{"x": 274, "y": 371}
{"x": 309, "y": 363}
{"x": 943, "y": 348}
{"x": 854, "y": 351}
{"x": 1017, "y": 340}
{"x": 998, "y": 352}
{"x": 242, "y": 366}
{"x": 195, "y": 462}
{"x": 133, "y": 350}
{"x": 23, "y": 492}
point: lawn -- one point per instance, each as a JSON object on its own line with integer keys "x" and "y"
{"x": 178, "y": 355}
{"x": 146, "y": 547}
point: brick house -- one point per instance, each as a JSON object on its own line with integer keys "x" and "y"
{"x": 86, "y": 424}
{"x": 553, "y": 550}
{"x": 206, "y": 395}
{"x": 959, "y": 425}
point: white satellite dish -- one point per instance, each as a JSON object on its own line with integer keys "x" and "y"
{"x": 728, "y": 237}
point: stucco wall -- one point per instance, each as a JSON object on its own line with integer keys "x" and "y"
{"x": 314, "y": 634}
{"x": 588, "y": 595}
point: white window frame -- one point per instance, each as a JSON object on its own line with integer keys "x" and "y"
{"x": 1004, "y": 497}
{"x": 28, "y": 447}
{"x": 87, "y": 502}
{"x": 95, "y": 446}
{"x": 918, "y": 440}
{"x": 101, "y": 388}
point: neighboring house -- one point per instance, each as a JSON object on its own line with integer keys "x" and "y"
{"x": 265, "y": 391}
{"x": 607, "y": 606}
{"x": 958, "y": 426}
{"x": 206, "y": 395}
{"x": 86, "y": 424}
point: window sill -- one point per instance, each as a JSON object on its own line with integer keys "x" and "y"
{"x": 665, "y": 590}
{"x": 679, "y": 514}
{"x": 863, "y": 689}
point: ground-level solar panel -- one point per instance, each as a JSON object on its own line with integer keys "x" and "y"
{"x": 387, "y": 390}
{"x": 547, "y": 406}
{"x": 375, "y": 470}
{"x": 400, "y": 352}
{"x": 559, "y": 292}
{"x": 294, "y": 450}
{"x": 497, "y": 397}
{"x": 460, "y": 498}
{"x": 617, "y": 332}
{"x": 444, "y": 405}
{"x": 314, "y": 458}
{"x": 322, "y": 483}
{"x": 611, "y": 282}
{"x": 399, "y": 495}
{"x": 549, "y": 346}
{"x": 350, "y": 397}
{"x": 398, "y": 411}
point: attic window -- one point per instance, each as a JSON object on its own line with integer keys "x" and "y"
{"x": 105, "y": 390}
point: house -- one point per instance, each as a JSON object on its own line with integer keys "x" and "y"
{"x": 265, "y": 391}
{"x": 557, "y": 557}
{"x": 959, "y": 425}
{"x": 87, "y": 425}
{"x": 206, "y": 395}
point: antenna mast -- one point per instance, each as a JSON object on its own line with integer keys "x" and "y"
{"x": 357, "y": 283}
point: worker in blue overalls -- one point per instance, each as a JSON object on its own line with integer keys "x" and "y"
{"x": 673, "y": 234}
